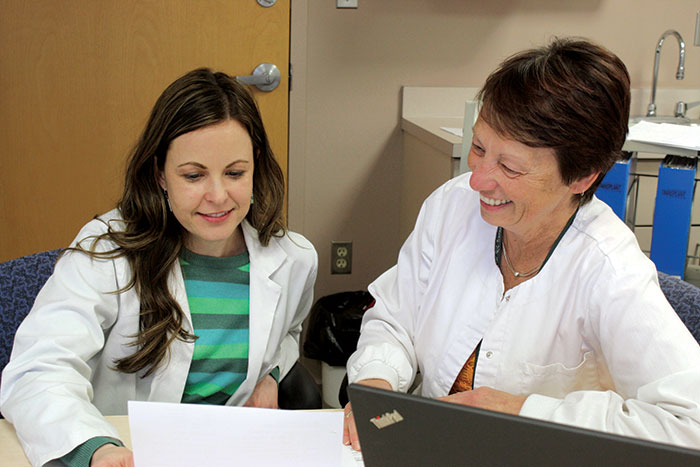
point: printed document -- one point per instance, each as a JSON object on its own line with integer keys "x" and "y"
{"x": 173, "y": 435}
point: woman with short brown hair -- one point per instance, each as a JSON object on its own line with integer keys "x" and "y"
{"x": 518, "y": 290}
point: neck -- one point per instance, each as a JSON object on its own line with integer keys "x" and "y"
{"x": 232, "y": 246}
{"x": 536, "y": 242}
{"x": 523, "y": 256}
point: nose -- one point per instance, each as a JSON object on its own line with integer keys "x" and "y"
{"x": 216, "y": 191}
{"x": 482, "y": 173}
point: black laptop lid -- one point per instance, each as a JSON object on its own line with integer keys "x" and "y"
{"x": 397, "y": 429}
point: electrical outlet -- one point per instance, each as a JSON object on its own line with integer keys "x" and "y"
{"x": 341, "y": 257}
{"x": 346, "y": 3}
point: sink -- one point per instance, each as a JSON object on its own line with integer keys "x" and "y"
{"x": 660, "y": 134}
{"x": 665, "y": 119}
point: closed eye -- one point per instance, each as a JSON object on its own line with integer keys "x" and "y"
{"x": 510, "y": 172}
{"x": 478, "y": 150}
{"x": 191, "y": 177}
{"x": 235, "y": 173}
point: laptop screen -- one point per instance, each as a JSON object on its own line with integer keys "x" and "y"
{"x": 397, "y": 429}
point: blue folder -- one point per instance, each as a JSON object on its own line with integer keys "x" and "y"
{"x": 674, "y": 200}
{"x": 615, "y": 186}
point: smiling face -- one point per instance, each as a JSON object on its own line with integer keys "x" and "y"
{"x": 520, "y": 187}
{"x": 208, "y": 174}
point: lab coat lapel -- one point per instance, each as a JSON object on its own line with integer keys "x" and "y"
{"x": 169, "y": 380}
{"x": 264, "y": 297}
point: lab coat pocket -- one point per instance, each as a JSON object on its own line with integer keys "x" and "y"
{"x": 557, "y": 380}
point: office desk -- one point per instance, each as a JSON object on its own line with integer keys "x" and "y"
{"x": 12, "y": 455}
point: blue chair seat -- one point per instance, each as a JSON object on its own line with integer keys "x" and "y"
{"x": 684, "y": 297}
{"x": 21, "y": 279}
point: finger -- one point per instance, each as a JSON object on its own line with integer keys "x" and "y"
{"x": 346, "y": 433}
{"x": 354, "y": 438}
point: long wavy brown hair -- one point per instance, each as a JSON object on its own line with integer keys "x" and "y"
{"x": 151, "y": 238}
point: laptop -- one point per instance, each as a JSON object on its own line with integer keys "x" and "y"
{"x": 397, "y": 429}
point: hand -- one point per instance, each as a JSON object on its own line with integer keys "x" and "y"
{"x": 111, "y": 455}
{"x": 488, "y": 398}
{"x": 264, "y": 395}
{"x": 349, "y": 428}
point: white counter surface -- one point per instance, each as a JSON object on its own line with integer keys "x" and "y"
{"x": 427, "y": 109}
{"x": 428, "y": 130}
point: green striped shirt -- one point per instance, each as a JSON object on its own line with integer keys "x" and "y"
{"x": 218, "y": 292}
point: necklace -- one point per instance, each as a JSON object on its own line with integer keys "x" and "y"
{"x": 500, "y": 245}
{"x": 516, "y": 273}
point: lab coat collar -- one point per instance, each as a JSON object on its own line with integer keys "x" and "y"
{"x": 265, "y": 259}
{"x": 264, "y": 298}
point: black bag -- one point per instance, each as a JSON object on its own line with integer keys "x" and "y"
{"x": 334, "y": 326}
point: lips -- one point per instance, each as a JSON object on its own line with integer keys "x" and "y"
{"x": 493, "y": 202}
{"x": 216, "y": 217}
{"x": 218, "y": 214}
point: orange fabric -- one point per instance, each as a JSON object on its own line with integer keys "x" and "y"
{"x": 465, "y": 378}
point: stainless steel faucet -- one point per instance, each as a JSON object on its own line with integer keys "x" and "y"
{"x": 651, "y": 111}
{"x": 682, "y": 108}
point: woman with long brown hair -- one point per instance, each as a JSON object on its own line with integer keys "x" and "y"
{"x": 191, "y": 290}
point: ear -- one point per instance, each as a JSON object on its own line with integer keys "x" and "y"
{"x": 584, "y": 183}
{"x": 160, "y": 179}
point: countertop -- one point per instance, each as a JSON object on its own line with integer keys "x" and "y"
{"x": 426, "y": 109}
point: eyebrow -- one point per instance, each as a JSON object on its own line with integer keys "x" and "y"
{"x": 202, "y": 166}
{"x": 476, "y": 140}
{"x": 475, "y": 137}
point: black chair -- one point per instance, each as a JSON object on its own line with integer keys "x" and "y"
{"x": 21, "y": 279}
{"x": 298, "y": 390}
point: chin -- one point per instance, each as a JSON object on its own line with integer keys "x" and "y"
{"x": 489, "y": 218}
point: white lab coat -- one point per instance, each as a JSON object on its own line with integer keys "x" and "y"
{"x": 590, "y": 339}
{"x": 59, "y": 382}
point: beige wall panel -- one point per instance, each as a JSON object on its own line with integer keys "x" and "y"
{"x": 77, "y": 81}
{"x": 353, "y": 64}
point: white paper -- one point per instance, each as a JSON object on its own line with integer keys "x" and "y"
{"x": 352, "y": 458}
{"x": 667, "y": 134}
{"x": 173, "y": 435}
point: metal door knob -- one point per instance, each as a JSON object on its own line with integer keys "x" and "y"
{"x": 265, "y": 77}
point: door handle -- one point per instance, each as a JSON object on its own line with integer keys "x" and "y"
{"x": 265, "y": 77}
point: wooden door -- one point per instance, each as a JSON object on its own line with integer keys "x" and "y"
{"x": 78, "y": 79}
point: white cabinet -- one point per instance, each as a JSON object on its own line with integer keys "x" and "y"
{"x": 431, "y": 155}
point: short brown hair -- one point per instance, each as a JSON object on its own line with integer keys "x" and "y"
{"x": 571, "y": 96}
